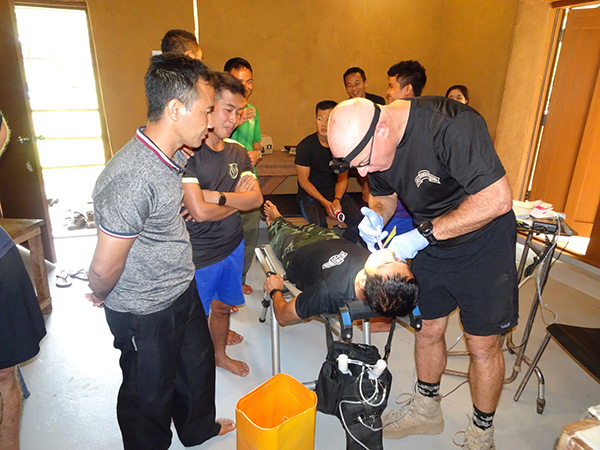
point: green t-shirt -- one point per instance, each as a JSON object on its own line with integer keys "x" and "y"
{"x": 249, "y": 132}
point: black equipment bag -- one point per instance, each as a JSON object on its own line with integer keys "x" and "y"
{"x": 339, "y": 394}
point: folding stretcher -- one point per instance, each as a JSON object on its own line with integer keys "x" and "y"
{"x": 354, "y": 382}
{"x": 349, "y": 313}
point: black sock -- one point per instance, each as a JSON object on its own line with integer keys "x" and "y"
{"x": 428, "y": 389}
{"x": 482, "y": 420}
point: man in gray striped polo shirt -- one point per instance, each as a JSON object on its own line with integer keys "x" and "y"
{"x": 142, "y": 271}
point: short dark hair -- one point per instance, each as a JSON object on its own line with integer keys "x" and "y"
{"x": 179, "y": 42}
{"x": 226, "y": 82}
{"x": 391, "y": 296}
{"x": 324, "y": 105}
{"x": 173, "y": 76}
{"x": 409, "y": 72}
{"x": 355, "y": 70}
{"x": 462, "y": 88}
{"x": 237, "y": 63}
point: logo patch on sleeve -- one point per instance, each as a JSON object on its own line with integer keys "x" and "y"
{"x": 426, "y": 175}
{"x": 233, "y": 170}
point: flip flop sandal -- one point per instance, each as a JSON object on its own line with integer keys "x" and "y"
{"x": 80, "y": 274}
{"x": 63, "y": 279}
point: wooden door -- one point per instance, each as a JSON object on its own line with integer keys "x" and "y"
{"x": 584, "y": 192}
{"x": 568, "y": 165}
{"x": 22, "y": 193}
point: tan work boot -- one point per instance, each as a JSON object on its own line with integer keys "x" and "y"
{"x": 420, "y": 415}
{"x": 477, "y": 439}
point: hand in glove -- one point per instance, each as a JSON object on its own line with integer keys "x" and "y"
{"x": 370, "y": 228}
{"x": 407, "y": 245}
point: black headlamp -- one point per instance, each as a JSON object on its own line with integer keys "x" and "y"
{"x": 341, "y": 165}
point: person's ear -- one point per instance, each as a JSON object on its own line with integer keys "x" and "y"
{"x": 174, "y": 109}
{"x": 362, "y": 280}
{"x": 407, "y": 91}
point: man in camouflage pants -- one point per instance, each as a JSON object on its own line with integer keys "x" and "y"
{"x": 332, "y": 271}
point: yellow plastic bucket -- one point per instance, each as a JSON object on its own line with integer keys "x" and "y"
{"x": 278, "y": 415}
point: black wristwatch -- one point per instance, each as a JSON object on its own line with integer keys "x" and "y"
{"x": 273, "y": 291}
{"x": 426, "y": 229}
{"x": 222, "y": 199}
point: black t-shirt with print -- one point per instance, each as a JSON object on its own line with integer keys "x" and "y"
{"x": 445, "y": 155}
{"x": 325, "y": 272}
{"x": 216, "y": 171}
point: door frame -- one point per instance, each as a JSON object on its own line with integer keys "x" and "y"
{"x": 22, "y": 190}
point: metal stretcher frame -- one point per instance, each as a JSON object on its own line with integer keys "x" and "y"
{"x": 350, "y": 312}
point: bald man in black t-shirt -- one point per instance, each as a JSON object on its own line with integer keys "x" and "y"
{"x": 436, "y": 155}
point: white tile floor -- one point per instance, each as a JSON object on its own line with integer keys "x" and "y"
{"x": 75, "y": 378}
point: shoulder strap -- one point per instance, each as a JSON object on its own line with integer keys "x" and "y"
{"x": 328, "y": 335}
{"x": 388, "y": 344}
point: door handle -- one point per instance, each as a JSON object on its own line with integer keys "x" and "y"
{"x": 22, "y": 140}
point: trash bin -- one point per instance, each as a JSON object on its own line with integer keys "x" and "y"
{"x": 278, "y": 415}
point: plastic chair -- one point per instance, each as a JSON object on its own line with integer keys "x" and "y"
{"x": 581, "y": 344}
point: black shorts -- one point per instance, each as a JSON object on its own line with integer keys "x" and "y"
{"x": 479, "y": 277}
{"x": 21, "y": 321}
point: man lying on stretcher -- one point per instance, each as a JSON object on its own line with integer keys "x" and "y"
{"x": 331, "y": 271}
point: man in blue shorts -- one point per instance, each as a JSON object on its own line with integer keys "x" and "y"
{"x": 21, "y": 327}
{"x": 437, "y": 156}
{"x": 142, "y": 270}
{"x": 216, "y": 185}
{"x": 248, "y": 134}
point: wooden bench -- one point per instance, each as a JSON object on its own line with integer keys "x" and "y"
{"x": 28, "y": 231}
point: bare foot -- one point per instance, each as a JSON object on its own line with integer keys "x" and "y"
{"x": 233, "y": 309}
{"x": 239, "y": 368}
{"x": 227, "y": 425}
{"x": 247, "y": 289}
{"x": 271, "y": 212}
{"x": 234, "y": 338}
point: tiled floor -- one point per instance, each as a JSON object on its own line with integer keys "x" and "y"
{"x": 75, "y": 378}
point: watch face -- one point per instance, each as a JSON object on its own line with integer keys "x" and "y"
{"x": 425, "y": 228}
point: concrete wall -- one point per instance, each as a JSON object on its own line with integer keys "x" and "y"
{"x": 299, "y": 51}
{"x": 519, "y": 116}
{"x": 124, "y": 33}
{"x": 475, "y": 48}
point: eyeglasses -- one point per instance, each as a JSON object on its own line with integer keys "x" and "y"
{"x": 341, "y": 165}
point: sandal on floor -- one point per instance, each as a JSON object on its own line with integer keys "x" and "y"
{"x": 78, "y": 222}
{"x": 80, "y": 274}
{"x": 63, "y": 279}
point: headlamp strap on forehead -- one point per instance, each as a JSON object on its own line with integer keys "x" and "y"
{"x": 361, "y": 145}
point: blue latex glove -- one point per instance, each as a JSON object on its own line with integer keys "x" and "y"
{"x": 407, "y": 245}
{"x": 370, "y": 228}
